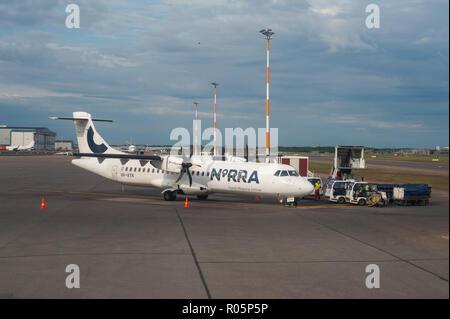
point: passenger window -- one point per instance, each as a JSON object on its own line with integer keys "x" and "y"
{"x": 198, "y": 173}
{"x": 277, "y": 173}
{"x": 126, "y": 169}
{"x": 135, "y": 169}
{"x": 139, "y": 169}
{"x": 207, "y": 173}
{"x": 203, "y": 173}
{"x": 284, "y": 173}
{"x": 153, "y": 170}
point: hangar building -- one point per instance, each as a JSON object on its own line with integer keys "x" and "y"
{"x": 44, "y": 139}
{"x": 63, "y": 145}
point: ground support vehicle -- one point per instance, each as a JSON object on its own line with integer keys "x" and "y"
{"x": 414, "y": 194}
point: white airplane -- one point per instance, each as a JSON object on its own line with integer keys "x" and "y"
{"x": 131, "y": 147}
{"x": 194, "y": 175}
{"x": 20, "y": 147}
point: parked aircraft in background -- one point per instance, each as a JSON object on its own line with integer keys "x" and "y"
{"x": 15, "y": 148}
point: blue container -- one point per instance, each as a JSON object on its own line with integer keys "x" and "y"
{"x": 416, "y": 189}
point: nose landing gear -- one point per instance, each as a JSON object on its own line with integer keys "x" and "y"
{"x": 287, "y": 201}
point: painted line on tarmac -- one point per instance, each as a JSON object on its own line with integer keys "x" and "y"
{"x": 326, "y": 206}
{"x": 108, "y": 194}
{"x": 158, "y": 198}
{"x": 151, "y": 197}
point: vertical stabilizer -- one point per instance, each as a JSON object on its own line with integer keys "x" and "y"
{"x": 89, "y": 141}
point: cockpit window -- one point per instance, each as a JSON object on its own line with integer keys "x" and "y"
{"x": 277, "y": 173}
{"x": 284, "y": 173}
{"x": 293, "y": 173}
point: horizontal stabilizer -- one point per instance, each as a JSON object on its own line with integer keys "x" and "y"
{"x": 76, "y": 118}
{"x": 122, "y": 156}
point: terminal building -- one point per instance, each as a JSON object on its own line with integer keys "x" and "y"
{"x": 44, "y": 139}
{"x": 63, "y": 145}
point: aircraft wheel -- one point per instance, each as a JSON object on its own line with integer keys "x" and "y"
{"x": 169, "y": 196}
{"x": 202, "y": 197}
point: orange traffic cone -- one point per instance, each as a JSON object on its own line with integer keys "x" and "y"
{"x": 43, "y": 204}
{"x": 186, "y": 204}
{"x": 256, "y": 198}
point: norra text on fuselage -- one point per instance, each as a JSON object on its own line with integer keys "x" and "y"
{"x": 234, "y": 175}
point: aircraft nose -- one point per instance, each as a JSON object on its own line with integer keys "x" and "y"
{"x": 306, "y": 187}
{"x": 309, "y": 186}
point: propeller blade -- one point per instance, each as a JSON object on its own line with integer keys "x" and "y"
{"x": 190, "y": 177}
{"x": 246, "y": 152}
{"x": 180, "y": 176}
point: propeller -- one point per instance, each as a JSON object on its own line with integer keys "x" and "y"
{"x": 185, "y": 165}
{"x": 185, "y": 169}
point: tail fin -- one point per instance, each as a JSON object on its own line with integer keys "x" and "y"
{"x": 89, "y": 141}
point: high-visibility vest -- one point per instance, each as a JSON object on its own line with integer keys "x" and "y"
{"x": 317, "y": 186}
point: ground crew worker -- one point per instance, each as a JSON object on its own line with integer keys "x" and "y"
{"x": 316, "y": 190}
{"x": 359, "y": 191}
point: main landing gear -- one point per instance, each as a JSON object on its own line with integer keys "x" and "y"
{"x": 172, "y": 195}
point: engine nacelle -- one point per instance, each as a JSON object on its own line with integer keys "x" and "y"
{"x": 193, "y": 190}
{"x": 170, "y": 163}
{"x": 173, "y": 160}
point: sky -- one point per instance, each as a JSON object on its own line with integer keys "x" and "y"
{"x": 333, "y": 81}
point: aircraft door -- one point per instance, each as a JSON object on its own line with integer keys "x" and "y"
{"x": 114, "y": 172}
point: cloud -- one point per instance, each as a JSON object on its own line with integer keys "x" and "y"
{"x": 146, "y": 62}
{"x": 15, "y": 91}
{"x": 330, "y": 11}
{"x": 368, "y": 121}
{"x": 87, "y": 56}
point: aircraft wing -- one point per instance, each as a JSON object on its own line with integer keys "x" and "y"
{"x": 121, "y": 156}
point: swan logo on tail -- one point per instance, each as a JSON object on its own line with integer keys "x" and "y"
{"x": 95, "y": 148}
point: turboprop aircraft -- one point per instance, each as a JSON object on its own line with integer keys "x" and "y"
{"x": 188, "y": 175}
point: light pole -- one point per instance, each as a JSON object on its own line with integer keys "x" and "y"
{"x": 195, "y": 134}
{"x": 215, "y": 118}
{"x": 268, "y": 33}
